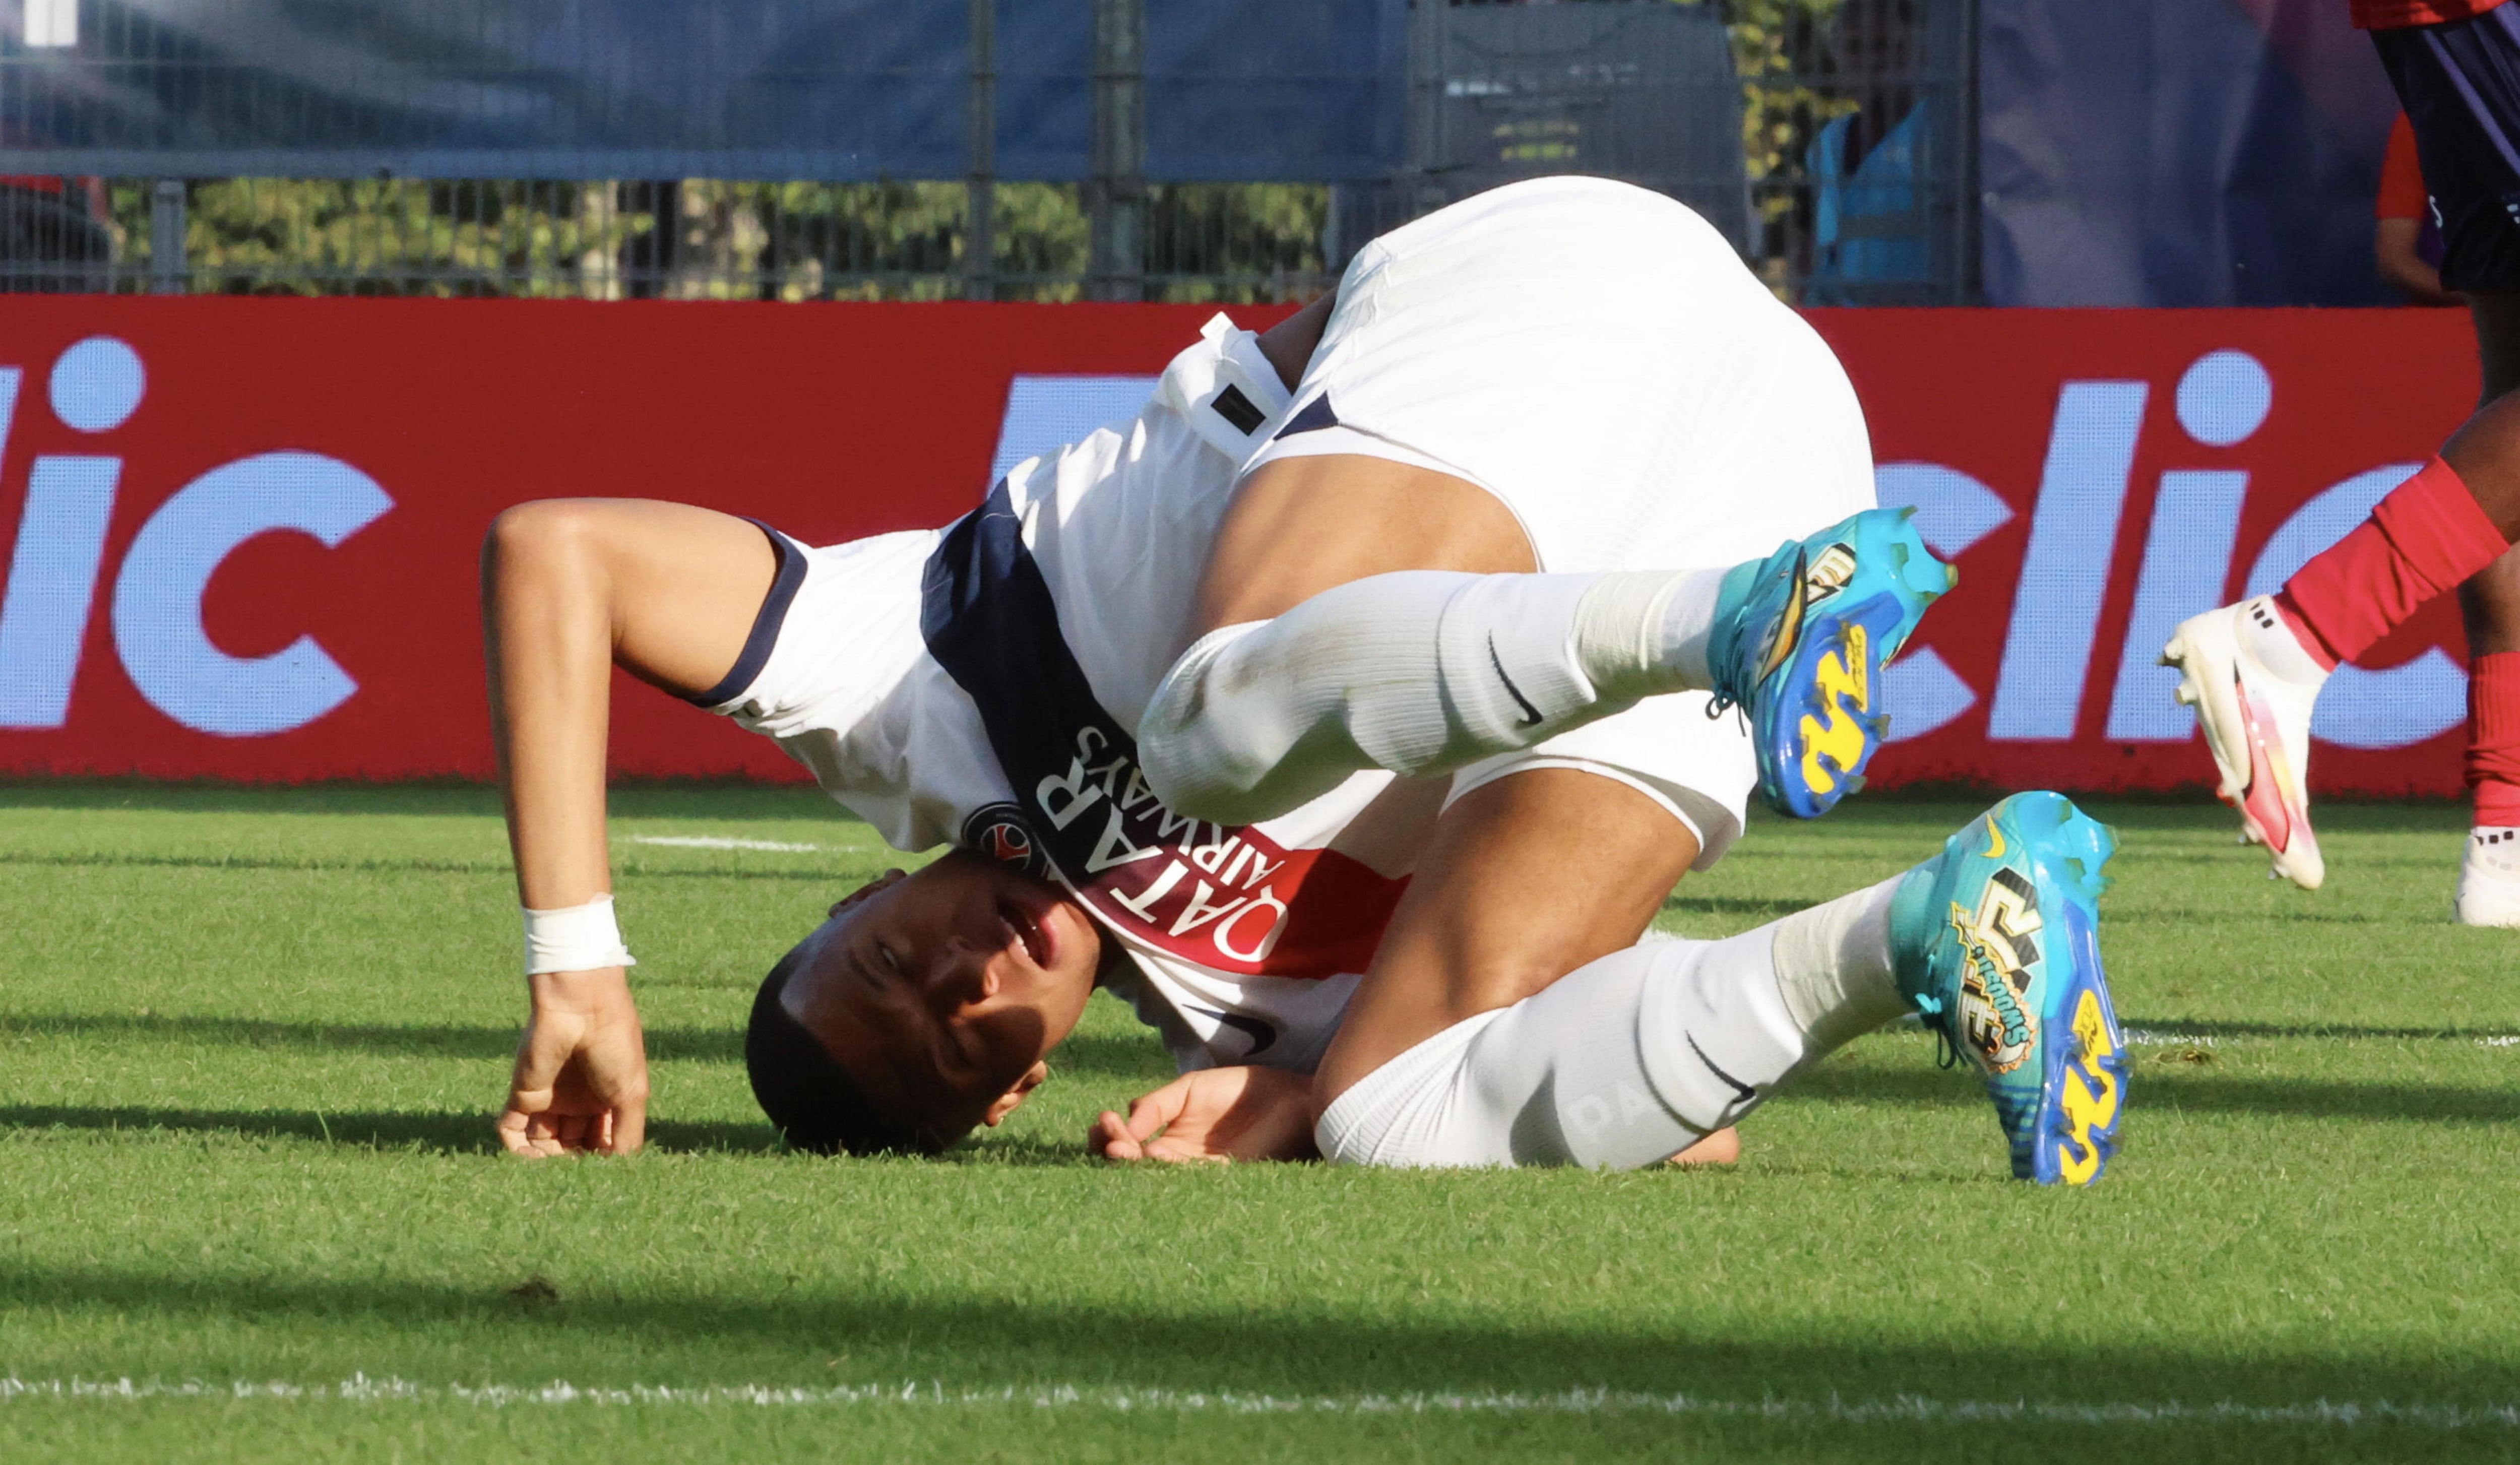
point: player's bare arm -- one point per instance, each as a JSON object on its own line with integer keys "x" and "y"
{"x": 2399, "y": 259}
{"x": 571, "y": 589}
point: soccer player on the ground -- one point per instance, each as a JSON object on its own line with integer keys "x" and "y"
{"x": 1261, "y": 710}
{"x": 2253, "y": 670}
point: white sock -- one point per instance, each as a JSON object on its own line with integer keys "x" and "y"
{"x": 1642, "y": 632}
{"x": 1633, "y": 1058}
{"x": 2270, "y": 639}
{"x": 1418, "y": 671}
{"x": 2489, "y": 878}
{"x": 1833, "y": 966}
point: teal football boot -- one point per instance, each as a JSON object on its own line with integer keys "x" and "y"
{"x": 1800, "y": 640}
{"x": 1997, "y": 941}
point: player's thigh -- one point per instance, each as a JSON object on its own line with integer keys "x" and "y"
{"x": 1299, "y": 526}
{"x": 677, "y": 586}
{"x": 1524, "y": 880}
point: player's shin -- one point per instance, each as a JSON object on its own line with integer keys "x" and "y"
{"x": 1418, "y": 671}
{"x": 1632, "y": 1059}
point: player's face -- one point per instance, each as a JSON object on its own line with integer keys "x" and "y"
{"x": 941, "y": 992}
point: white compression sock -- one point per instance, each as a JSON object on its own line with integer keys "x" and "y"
{"x": 2489, "y": 878}
{"x": 1418, "y": 671}
{"x": 1633, "y": 1058}
{"x": 2262, "y": 630}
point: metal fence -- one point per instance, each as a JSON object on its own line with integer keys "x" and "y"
{"x": 683, "y": 239}
{"x": 1830, "y": 139}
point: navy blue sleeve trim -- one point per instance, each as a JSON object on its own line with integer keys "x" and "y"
{"x": 765, "y": 626}
{"x": 1316, "y": 415}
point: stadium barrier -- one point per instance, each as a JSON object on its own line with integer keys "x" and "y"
{"x": 244, "y": 532}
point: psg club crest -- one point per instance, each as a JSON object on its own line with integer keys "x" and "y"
{"x": 998, "y": 831}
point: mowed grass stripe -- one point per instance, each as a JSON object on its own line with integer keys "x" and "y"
{"x": 249, "y": 1041}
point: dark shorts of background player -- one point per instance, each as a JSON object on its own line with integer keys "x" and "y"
{"x": 2461, "y": 86}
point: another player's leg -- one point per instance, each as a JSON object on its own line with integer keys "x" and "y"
{"x": 1364, "y": 614}
{"x": 2253, "y": 671}
{"x": 1632, "y": 1056}
{"x": 2489, "y": 878}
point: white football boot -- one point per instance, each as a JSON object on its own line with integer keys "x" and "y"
{"x": 2252, "y": 685}
{"x": 2489, "y": 878}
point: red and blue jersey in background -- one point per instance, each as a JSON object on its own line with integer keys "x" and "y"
{"x": 2456, "y": 64}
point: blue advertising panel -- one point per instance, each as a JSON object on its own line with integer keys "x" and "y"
{"x": 833, "y": 90}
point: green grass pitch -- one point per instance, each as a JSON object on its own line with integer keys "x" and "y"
{"x": 250, "y": 1208}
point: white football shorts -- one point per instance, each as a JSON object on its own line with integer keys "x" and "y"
{"x": 1596, "y": 357}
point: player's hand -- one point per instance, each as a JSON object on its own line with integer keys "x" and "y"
{"x": 1214, "y": 1115}
{"x": 581, "y": 1078}
{"x": 1721, "y": 1147}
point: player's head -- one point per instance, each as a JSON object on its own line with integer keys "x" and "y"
{"x": 924, "y": 1006}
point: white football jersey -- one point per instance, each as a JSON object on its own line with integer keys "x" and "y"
{"x": 979, "y": 686}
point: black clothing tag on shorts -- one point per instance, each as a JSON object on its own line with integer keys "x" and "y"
{"x": 1235, "y": 408}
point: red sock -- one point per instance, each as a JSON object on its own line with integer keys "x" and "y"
{"x": 2424, "y": 538}
{"x": 2493, "y": 738}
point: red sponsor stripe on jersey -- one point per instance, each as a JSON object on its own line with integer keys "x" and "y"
{"x": 1241, "y": 902}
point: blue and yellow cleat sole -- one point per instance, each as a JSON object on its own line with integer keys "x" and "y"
{"x": 2020, "y": 897}
{"x": 1861, "y": 589}
{"x": 2082, "y": 1090}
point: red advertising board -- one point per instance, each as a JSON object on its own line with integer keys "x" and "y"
{"x": 2102, "y": 475}
{"x": 242, "y": 532}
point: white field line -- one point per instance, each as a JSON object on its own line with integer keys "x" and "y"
{"x": 721, "y": 842}
{"x": 1905, "y": 1408}
{"x": 2148, "y": 1037}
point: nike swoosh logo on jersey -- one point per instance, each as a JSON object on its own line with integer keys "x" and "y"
{"x": 1530, "y": 714}
{"x": 1747, "y": 1092}
{"x": 1260, "y": 1032}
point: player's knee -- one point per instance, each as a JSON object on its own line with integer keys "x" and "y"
{"x": 1209, "y": 748}
{"x": 1413, "y": 1110}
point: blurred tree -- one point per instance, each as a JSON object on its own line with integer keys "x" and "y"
{"x": 703, "y": 239}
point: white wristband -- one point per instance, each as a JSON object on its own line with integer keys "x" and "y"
{"x": 577, "y": 938}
